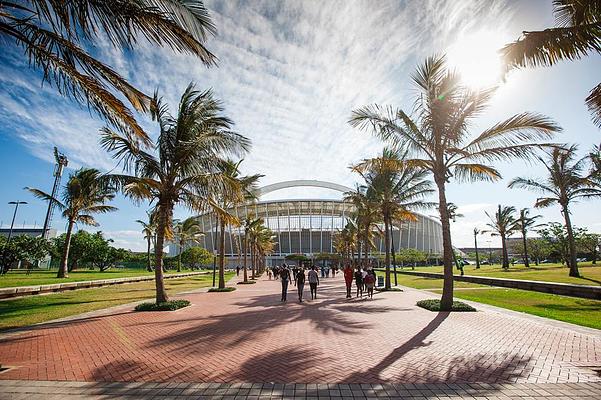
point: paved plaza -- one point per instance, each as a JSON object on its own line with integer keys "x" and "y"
{"x": 247, "y": 343}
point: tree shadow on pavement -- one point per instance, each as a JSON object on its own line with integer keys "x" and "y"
{"x": 417, "y": 341}
{"x": 283, "y": 366}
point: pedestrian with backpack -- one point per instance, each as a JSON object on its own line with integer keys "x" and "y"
{"x": 285, "y": 278}
{"x": 313, "y": 282}
{"x": 300, "y": 283}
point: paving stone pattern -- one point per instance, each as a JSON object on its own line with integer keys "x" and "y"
{"x": 24, "y": 390}
{"x": 250, "y": 336}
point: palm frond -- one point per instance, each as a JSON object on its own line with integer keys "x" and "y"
{"x": 465, "y": 172}
{"x": 593, "y": 102}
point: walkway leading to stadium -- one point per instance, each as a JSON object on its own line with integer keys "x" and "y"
{"x": 249, "y": 336}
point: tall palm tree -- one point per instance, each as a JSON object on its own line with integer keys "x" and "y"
{"x": 185, "y": 232}
{"x": 568, "y": 180}
{"x": 345, "y": 241}
{"x": 398, "y": 190}
{"x": 236, "y": 190}
{"x": 184, "y": 165}
{"x": 250, "y": 225}
{"x": 55, "y": 34}
{"x": 438, "y": 138}
{"x": 86, "y": 193}
{"x": 524, "y": 224}
{"x": 149, "y": 232}
{"x": 577, "y": 34}
{"x": 503, "y": 224}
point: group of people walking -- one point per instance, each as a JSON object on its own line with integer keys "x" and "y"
{"x": 365, "y": 279}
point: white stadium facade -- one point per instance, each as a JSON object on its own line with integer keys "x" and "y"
{"x": 307, "y": 226}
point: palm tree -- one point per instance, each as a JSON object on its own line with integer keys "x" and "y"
{"x": 85, "y": 193}
{"x": 525, "y": 223}
{"x": 346, "y": 240}
{"x": 55, "y": 34}
{"x": 503, "y": 224}
{"x": 237, "y": 189}
{"x": 568, "y": 180}
{"x": 397, "y": 189}
{"x": 476, "y": 233}
{"x": 149, "y": 232}
{"x": 437, "y": 137}
{"x": 365, "y": 218}
{"x": 577, "y": 34}
{"x": 185, "y": 232}
{"x": 250, "y": 225}
{"x": 184, "y": 167}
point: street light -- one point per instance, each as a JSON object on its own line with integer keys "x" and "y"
{"x": 10, "y": 232}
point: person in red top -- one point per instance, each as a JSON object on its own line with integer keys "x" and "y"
{"x": 348, "y": 279}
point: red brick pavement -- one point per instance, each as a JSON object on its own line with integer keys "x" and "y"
{"x": 249, "y": 336}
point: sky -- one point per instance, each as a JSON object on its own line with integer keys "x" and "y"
{"x": 289, "y": 75}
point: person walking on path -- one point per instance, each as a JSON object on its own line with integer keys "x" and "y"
{"x": 300, "y": 283}
{"x": 237, "y": 270}
{"x": 285, "y": 278}
{"x": 313, "y": 282}
{"x": 370, "y": 281}
{"x": 359, "y": 282}
{"x": 348, "y": 279}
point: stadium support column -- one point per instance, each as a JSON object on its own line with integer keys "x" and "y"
{"x": 321, "y": 227}
{"x": 289, "y": 231}
{"x": 332, "y": 229}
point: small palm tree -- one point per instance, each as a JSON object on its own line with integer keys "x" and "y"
{"x": 149, "y": 232}
{"x": 184, "y": 167}
{"x": 503, "y": 224}
{"x": 568, "y": 180}
{"x": 397, "y": 189}
{"x": 86, "y": 193}
{"x": 54, "y": 35}
{"x": 439, "y": 141}
{"x": 524, "y": 224}
{"x": 185, "y": 232}
{"x": 577, "y": 34}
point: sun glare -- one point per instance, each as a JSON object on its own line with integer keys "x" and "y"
{"x": 476, "y": 59}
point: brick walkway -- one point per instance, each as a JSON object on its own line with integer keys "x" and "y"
{"x": 249, "y": 336}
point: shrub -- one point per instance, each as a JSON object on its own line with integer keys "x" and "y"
{"x": 249, "y": 282}
{"x": 434, "y": 305}
{"x": 225, "y": 289}
{"x": 170, "y": 305}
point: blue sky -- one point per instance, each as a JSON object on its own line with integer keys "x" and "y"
{"x": 289, "y": 74}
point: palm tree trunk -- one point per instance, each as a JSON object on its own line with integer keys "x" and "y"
{"x": 252, "y": 260}
{"x": 245, "y": 257}
{"x": 148, "y": 259}
{"x": 63, "y": 267}
{"x": 505, "y": 255}
{"x": 387, "y": 250}
{"x": 446, "y": 301}
{"x": 571, "y": 242}
{"x": 476, "y": 246}
{"x": 525, "y": 243}
{"x": 164, "y": 213}
{"x": 222, "y": 254}
{"x": 179, "y": 257}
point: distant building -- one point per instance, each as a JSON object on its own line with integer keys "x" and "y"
{"x": 30, "y": 231}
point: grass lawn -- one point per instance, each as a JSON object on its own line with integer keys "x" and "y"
{"x": 591, "y": 274}
{"x": 34, "y": 309}
{"x": 569, "y": 309}
{"x": 45, "y": 277}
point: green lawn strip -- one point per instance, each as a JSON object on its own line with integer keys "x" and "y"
{"x": 568, "y": 309}
{"x": 35, "y": 309}
{"x": 591, "y": 274}
{"x": 20, "y": 278}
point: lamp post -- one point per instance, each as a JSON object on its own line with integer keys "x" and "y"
{"x": 10, "y": 231}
